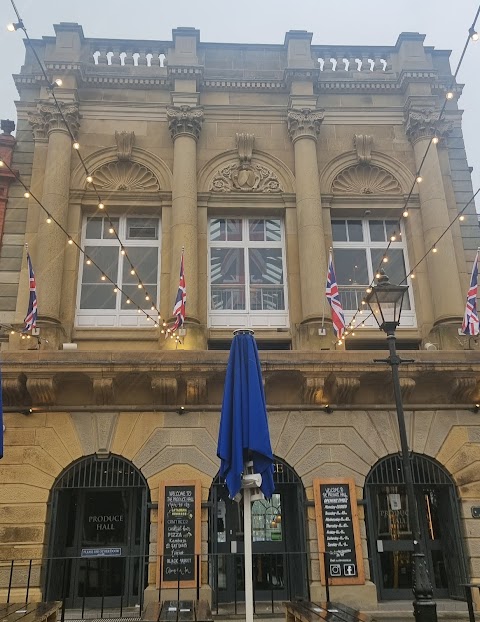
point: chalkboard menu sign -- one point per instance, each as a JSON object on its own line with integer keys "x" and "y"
{"x": 179, "y": 533}
{"x": 338, "y": 532}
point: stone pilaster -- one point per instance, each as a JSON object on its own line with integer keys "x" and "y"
{"x": 48, "y": 123}
{"x": 421, "y": 124}
{"x": 185, "y": 124}
{"x": 303, "y": 128}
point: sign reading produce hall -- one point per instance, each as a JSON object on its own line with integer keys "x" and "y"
{"x": 179, "y": 533}
{"x": 338, "y": 530}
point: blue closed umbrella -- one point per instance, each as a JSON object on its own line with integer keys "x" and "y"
{"x": 244, "y": 434}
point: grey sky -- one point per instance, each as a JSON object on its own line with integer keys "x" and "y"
{"x": 344, "y": 22}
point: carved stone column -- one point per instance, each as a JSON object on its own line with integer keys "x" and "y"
{"x": 49, "y": 260}
{"x": 421, "y": 124}
{"x": 185, "y": 123}
{"x": 303, "y": 128}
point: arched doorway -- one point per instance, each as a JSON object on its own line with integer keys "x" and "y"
{"x": 389, "y": 532}
{"x": 279, "y": 541}
{"x": 98, "y": 534}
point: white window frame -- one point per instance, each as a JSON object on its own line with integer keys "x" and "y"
{"x": 408, "y": 318}
{"x": 231, "y": 318}
{"x": 118, "y": 317}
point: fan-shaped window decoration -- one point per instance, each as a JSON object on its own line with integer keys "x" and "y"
{"x": 361, "y": 179}
{"x": 127, "y": 176}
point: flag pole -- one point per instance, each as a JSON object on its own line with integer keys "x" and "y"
{"x": 325, "y": 298}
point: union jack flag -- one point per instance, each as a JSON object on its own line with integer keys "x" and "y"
{"x": 333, "y": 298}
{"x": 470, "y": 324}
{"x": 31, "y": 317}
{"x": 180, "y": 301}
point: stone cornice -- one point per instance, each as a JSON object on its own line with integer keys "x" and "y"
{"x": 304, "y": 123}
{"x": 349, "y": 378}
{"x": 185, "y": 120}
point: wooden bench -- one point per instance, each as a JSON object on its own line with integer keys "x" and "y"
{"x": 178, "y": 611}
{"x": 305, "y": 611}
{"x": 30, "y": 612}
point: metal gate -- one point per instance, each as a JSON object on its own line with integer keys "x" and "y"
{"x": 389, "y": 531}
{"x": 98, "y": 534}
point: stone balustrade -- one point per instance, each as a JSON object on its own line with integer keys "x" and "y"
{"x": 117, "y": 53}
{"x": 353, "y": 59}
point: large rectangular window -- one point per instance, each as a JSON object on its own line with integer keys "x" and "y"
{"x": 359, "y": 246}
{"x": 247, "y": 280}
{"x": 98, "y": 302}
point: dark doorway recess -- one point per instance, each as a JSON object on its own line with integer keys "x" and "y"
{"x": 389, "y": 532}
{"x": 98, "y": 534}
{"x": 280, "y": 560}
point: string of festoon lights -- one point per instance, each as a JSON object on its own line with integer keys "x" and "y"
{"x": 102, "y": 210}
{"x": 473, "y": 36}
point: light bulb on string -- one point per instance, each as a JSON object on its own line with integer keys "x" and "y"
{"x": 132, "y": 271}
{"x": 147, "y": 297}
{"x": 474, "y": 36}
{"x": 57, "y": 82}
{"x": 412, "y": 276}
{"x": 70, "y": 241}
{"x": 128, "y": 301}
{"x": 368, "y": 290}
{"x": 103, "y": 277}
{"x": 419, "y": 179}
{"x": 111, "y": 230}
{"x": 435, "y": 140}
{"x": 48, "y": 220}
{"x": 26, "y": 195}
{"x": 101, "y": 205}
{"x": 115, "y": 290}
{"x": 405, "y": 213}
{"x": 461, "y": 218}
{"x": 15, "y": 26}
{"x": 393, "y": 238}
{"x": 377, "y": 276}
{"x": 2, "y": 163}
{"x": 88, "y": 261}
{"x": 434, "y": 249}
{"x": 152, "y": 308}
{"x": 385, "y": 259}
{"x": 122, "y": 251}
{"x": 449, "y": 95}
{"x": 89, "y": 179}
{"x": 76, "y": 146}
{"x": 139, "y": 286}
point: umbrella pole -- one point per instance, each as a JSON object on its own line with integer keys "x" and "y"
{"x": 247, "y": 537}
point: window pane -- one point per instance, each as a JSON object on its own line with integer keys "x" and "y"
{"x": 109, "y": 229}
{"x": 352, "y": 276}
{"x": 266, "y": 279}
{"x": 273, "y": 230}
{"x": 395, "y": 267}
{"x": 142, "y": 228}
{"x": 218, "y": 230}
{"x": 355, "y": 232}
{"x": 377, "y": 231}
{"x": 227, "y": 273}
{"x": 339, "y": 230}
{"x": 94, "y": 228}
{"x": 145, "y": 261}
{"x": 392, "y": 227}
{"x": 234, "y": 230}
{"x": 256, "y": 230}
{"x": 97, "y": 294}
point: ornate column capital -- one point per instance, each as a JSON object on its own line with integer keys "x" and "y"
{"x": 185, "y": 120}
{"x": 424, "y": 122}
{"x": 47, "y": 119}
{"x": 304, "y": 123}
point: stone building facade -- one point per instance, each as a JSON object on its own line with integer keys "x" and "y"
{"x": 256, "y": 159}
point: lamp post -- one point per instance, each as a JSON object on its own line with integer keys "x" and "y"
{"x": 385, "y": 301}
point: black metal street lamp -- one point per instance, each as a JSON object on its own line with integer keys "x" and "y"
{"x": 385, "y": 301}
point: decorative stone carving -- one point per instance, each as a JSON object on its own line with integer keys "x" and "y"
{"x": 245, "y": 178}
{"x": 462, "y": 389}
{"x": 164, "y": 389}
{"x": 196, "y": 391}
{"x": 424, "y": 122}
{"x": 125, "y": 142}
{"x": 103, "y": 390}
{"x": 245, "y": 143}
{"x": 361, "y": 179}
{"x": 43, "y": 391}
{"x": 363, "y": 144}
{"x": 341, "y": 389}
{"x": 407, "y": 385}
{"x": 185, "y": 120}
{"x": 7, "y": 126}
{"x": 304, "y": 123}
{"x": 49, "y": 119}
{"x": 125, "y": 175}
{"x": 14, "y": 390}
{"x": 313, "y": 390}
